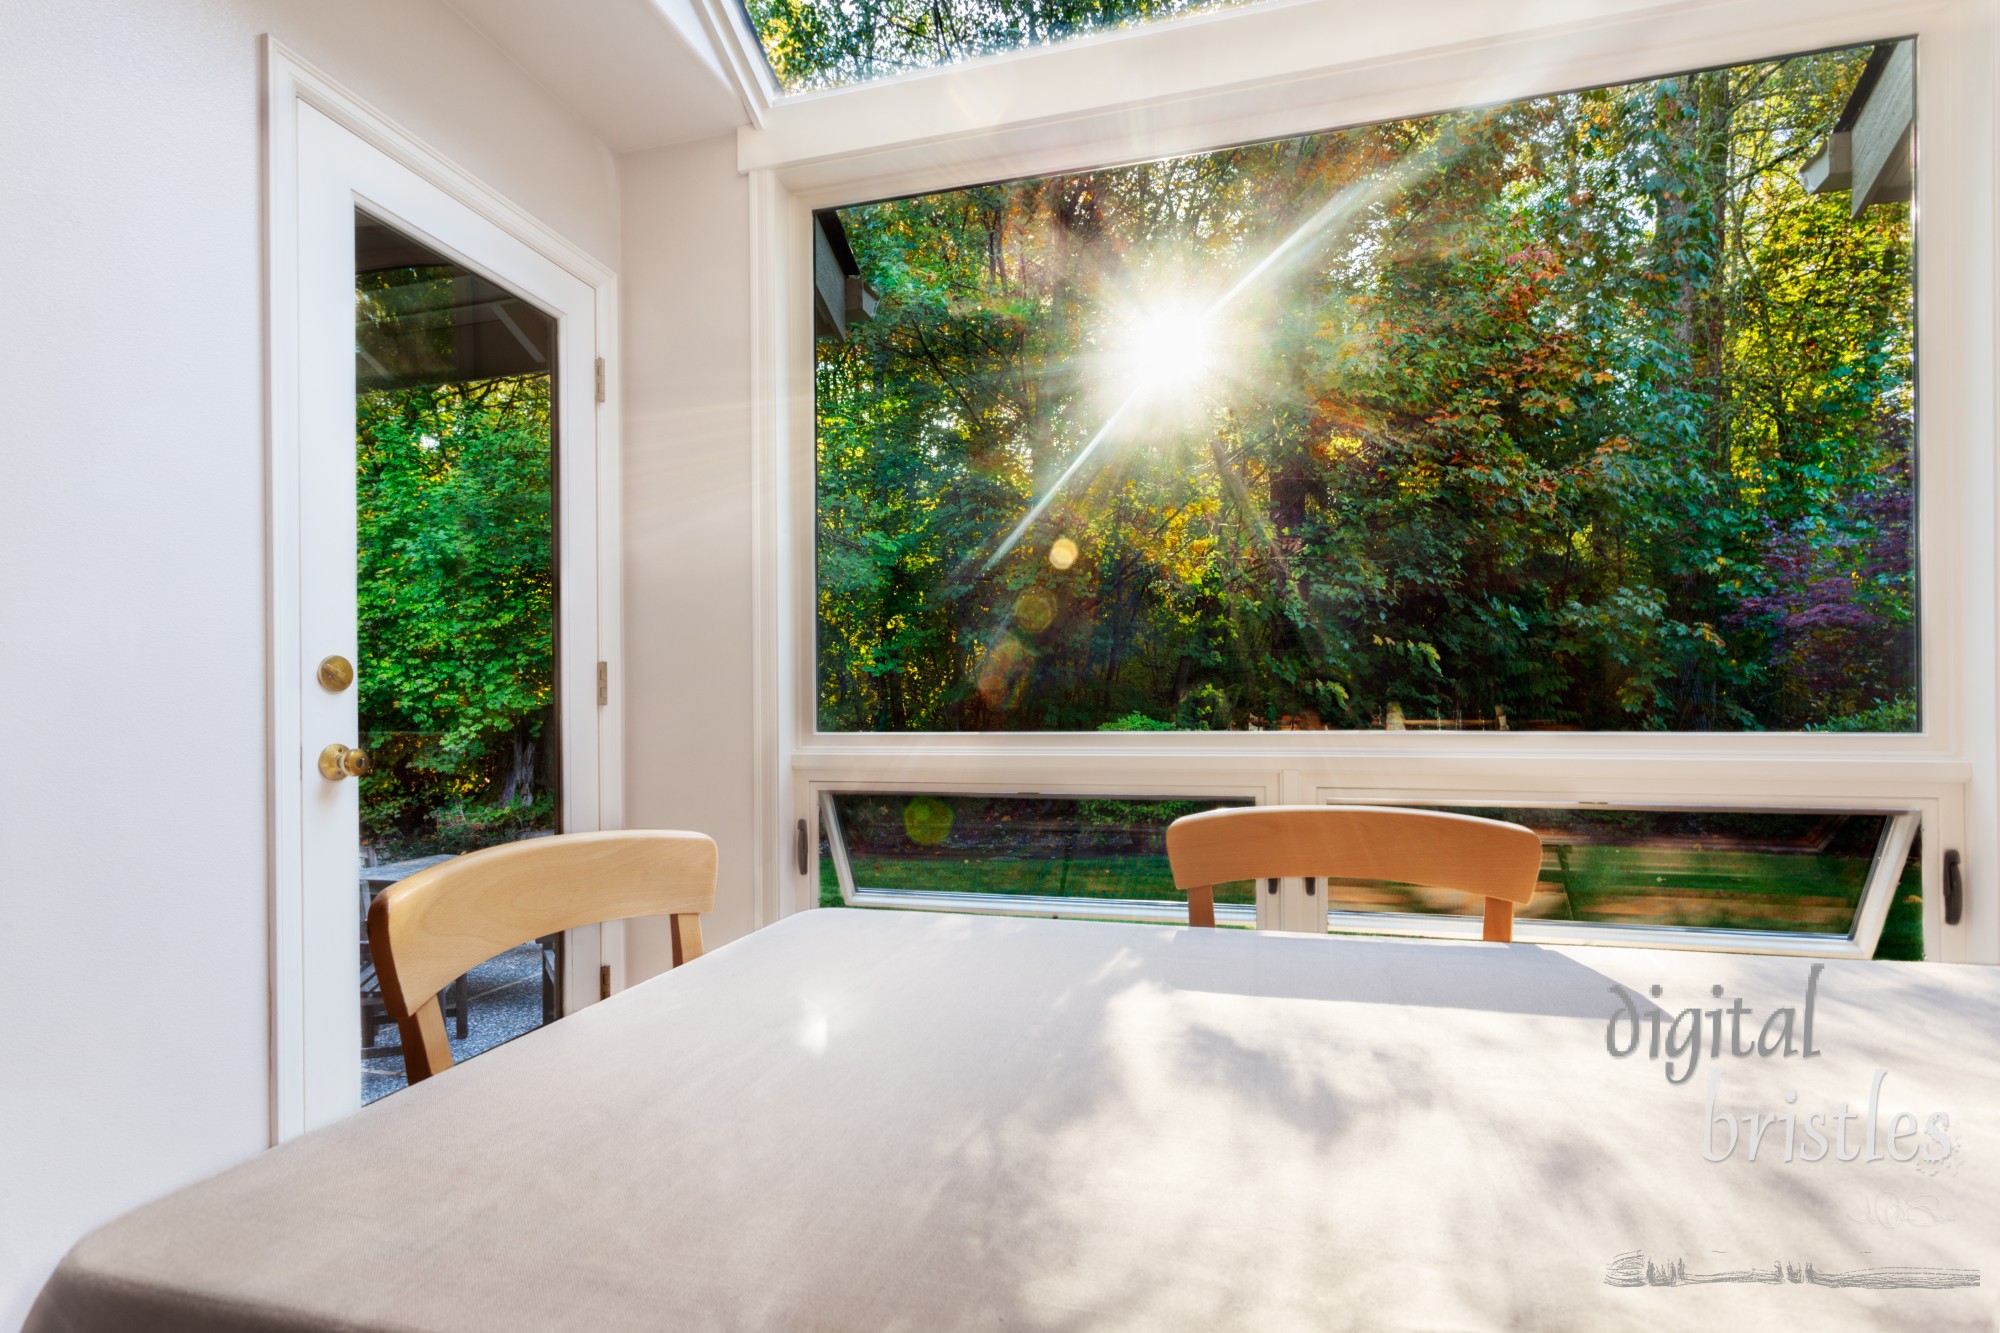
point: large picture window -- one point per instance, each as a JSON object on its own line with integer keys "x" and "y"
{"x": 1589, "y": 412}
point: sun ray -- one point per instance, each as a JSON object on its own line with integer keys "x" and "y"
{"x": 1196, "y": 322}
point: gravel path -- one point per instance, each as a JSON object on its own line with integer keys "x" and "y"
{"x": 505, "y": 995}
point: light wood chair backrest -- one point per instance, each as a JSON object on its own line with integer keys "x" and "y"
{"x": 433, "y": 927}
{"x": 1428, "y": 848}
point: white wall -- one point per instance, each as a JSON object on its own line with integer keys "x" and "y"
{"x": 685, "y": 294}
{"x": 133, "y": 1007}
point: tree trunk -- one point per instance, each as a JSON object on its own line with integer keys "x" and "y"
{"x": 517, "y": 785}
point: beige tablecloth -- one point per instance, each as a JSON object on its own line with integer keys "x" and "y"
{"x": 877, "y": 1120}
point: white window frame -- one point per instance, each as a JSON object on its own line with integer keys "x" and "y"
{"x": 1184, "y": 86}
{"x": 1297, "y": 909}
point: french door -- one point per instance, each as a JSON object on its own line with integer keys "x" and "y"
{"x": 445, "y": 677}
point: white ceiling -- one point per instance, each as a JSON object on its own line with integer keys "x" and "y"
{"x": 639, "y": 73}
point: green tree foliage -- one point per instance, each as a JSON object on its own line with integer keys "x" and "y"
{"x": 456, "y": 605}
{"x": 820, "y": 44}
{"x": 1574, "y": 413}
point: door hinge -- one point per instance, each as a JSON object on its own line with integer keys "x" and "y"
{"x": 603, "y": 684}
{"x": 604, "y": 981}
{"x": 600, "y": 379}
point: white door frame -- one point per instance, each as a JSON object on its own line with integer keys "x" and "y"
{"x": 306, "y": 1026}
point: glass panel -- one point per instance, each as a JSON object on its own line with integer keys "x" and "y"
{"x": 1587, "y": 412}
{"x": 1902, "y": 935}
{"x": 1091, "y": 849}
{"x": 454, "y": 477}
{"x": 819, "y": 44}
{"x": 1799, "y": 872}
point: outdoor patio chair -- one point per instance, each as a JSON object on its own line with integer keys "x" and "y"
{"x": 442, "y": 922}
{"x": 1427, "y": 848}
{"x": 457, "y": 1007}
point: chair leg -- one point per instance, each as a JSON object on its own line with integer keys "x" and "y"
{"x": 425, "y": 1049}
{"x": 1499, "y": 921}
{"x": 687, "y": 937}
{"x": 1201, "y": 905}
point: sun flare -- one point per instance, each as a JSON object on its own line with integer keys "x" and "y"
{"x": 1168, "y": 350}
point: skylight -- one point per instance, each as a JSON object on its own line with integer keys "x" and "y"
{"x": 814, "y": 44}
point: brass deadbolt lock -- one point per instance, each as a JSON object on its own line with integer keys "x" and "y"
{"x": 336, "y": 673}
{"x": 338, "y": 761}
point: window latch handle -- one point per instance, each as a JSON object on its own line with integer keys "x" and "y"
{"x": 799, "y": 846}
{"x": 1954, "y": 888}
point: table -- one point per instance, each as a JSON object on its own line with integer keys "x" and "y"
{"x": 899, "y": 1120}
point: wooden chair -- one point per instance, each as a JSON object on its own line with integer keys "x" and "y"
{"x": 1423, "y": 847}
{"x": 453, "y": 1005}
{"x": 442, "y": 922}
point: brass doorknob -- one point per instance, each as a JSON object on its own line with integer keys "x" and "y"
{"x": 339, "y": 761}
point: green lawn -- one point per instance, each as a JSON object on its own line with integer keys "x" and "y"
{"x": 1138, "y": 876}
{"x": 1629, "y": 886}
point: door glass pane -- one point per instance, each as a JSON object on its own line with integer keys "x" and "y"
{"x": 454, "y": 491}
